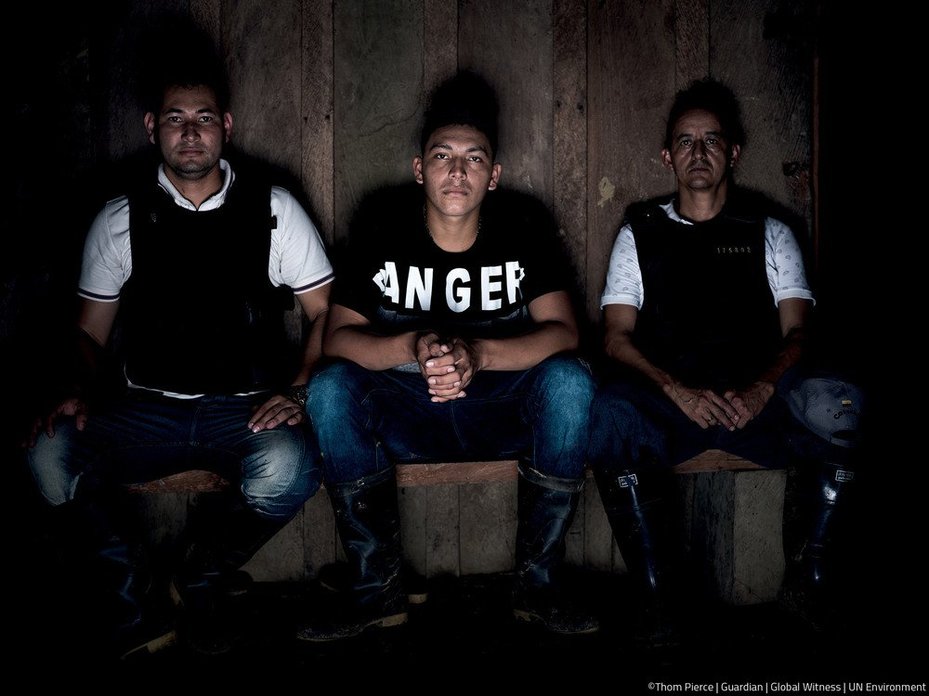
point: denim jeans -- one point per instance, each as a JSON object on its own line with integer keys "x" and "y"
{"x": 147, "y": 436}
{"x": 636, "y": 427}
{"x": 366, "y": 420}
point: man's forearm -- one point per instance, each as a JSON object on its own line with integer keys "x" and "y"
{"x": 370, "y": 350}
{"x": 790, "y": 355}
{"x": 312, "y": 350}
{"x": 526, "y": 351}
{"x": 620, "y": 347}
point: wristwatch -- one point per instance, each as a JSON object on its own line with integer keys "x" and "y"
{"x": 297, "y": 392}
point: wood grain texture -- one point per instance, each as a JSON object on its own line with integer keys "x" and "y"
{"x": 438, "y": 474}
{"x": 443, "y": 530}
{"x": 456, "y": 472}
{"x": 193, "y": 481}
{"x": 319, "y": 534}
{"x": 691, "y": 41}
{"x": 598, "y": 537}
{"x": 282, "y": 558}
{"x": 575, "y": 538}
{"x": 440, "y": 42}
{"x": 763, "y": 50}
{"x": 208, "y": 15}
{"x": 631, "y": 81}
{"x": 569, "y": 131}
{"x": 316, "y": 106}
{"x": 413, "y": 527}
{"x": 126, "y": 44}
{"x": 487, "y": 527}
{"x": 263, "y": 55}
{"x": 510, "y": 44}
{"x": 378, "y": 68}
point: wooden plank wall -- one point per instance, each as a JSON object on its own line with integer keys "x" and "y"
{"x": 333, "y": 92}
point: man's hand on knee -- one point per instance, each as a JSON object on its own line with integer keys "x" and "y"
{"x": 276, "y": 410}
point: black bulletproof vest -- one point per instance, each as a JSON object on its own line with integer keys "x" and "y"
{"x": 708, "y": 316}
{"x": 199, "y": 312}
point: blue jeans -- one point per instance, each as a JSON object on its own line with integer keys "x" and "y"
{"x": 148, "y": 436}
{"x": 368, "y": 420}
{"x": 636, "y": 427}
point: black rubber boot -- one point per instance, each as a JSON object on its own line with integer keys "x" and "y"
{"x": 809, "y": 589}
{"x": 546, "y": 509}
{"x": 209, "y": 585}
{"x": 337, "y": 577}
{"x": 116, "y": 575}
{"x": 368, "y": 521}
{"x": 647, "y": 533}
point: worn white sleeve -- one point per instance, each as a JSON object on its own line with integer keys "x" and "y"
{"x": 107, "y": 260}
{"x": 298, "y": 257}
{"x": 623, "y": 277}
{"x": 784, "y": 263}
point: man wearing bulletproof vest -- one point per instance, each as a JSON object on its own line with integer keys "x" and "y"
{"x": 706, "y": 309}
{"x": 197, "y": 262}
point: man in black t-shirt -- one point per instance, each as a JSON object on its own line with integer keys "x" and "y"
{"x": 452, "y": 329}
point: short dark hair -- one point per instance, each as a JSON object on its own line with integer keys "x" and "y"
{"x": 713, "y": 96}
{"x": 463, "y": 100}
{"x": 196, "y": 64}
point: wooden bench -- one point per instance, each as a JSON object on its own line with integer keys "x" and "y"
{"x": 460, "y": 518}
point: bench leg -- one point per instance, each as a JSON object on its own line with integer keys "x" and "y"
{"x": 736, "y": 533}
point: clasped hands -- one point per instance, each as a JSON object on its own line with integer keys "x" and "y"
{"x": 731, "y": 410}
{"x": 448, "y": 365}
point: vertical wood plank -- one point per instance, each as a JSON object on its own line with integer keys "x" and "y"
{"x": 440, "y": 42}
{"x": 163, "y": 517}
{"x": 378, "y": 67}
{"x": 569, "y": 149}
{"x": 319, "y": 536}
{"x": 208, "y": 15}
{"x": 713, "y": 529}
{"x": 443, "y": 542}
{"x": 283, "y": 557}
{"x": 413, "y": 521}
{"x": 598, "y": 537}
{"x": 488, "y": 527}
{"x": 316, "y": 76}
{"x": 574, "y": 541}
{"x": 263, "y": 54}
{"x": 692, "y": 40}
{"x": 687, "y": 486}
{"x": 520, "y": 69}
{"x": 632, "y": 73}
{"x": 125, "y": 46}
{"x": 774, "y": 88}
{"x": 757, "y": 544}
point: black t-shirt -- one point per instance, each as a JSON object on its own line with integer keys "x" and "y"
{"x": 400, "y": 280}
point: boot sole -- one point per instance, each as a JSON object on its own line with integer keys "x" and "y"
{"x": 411, "y": 597}
{"x": 157, "y": 644}
{"x": 382, "y": 622}
{"x": 415, "y": 597}
{"x": 528, "y": 617}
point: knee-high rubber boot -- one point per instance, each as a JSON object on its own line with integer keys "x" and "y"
{"x": 222, "y": 537}
{"x": 546, "y": 506}
{"x": 645, "y": 530}
{"x": 117, "y": 576}
{"x": 208, "y": 584}
{"x": 368, "y": 521}
{"x": 808, "y": 584}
